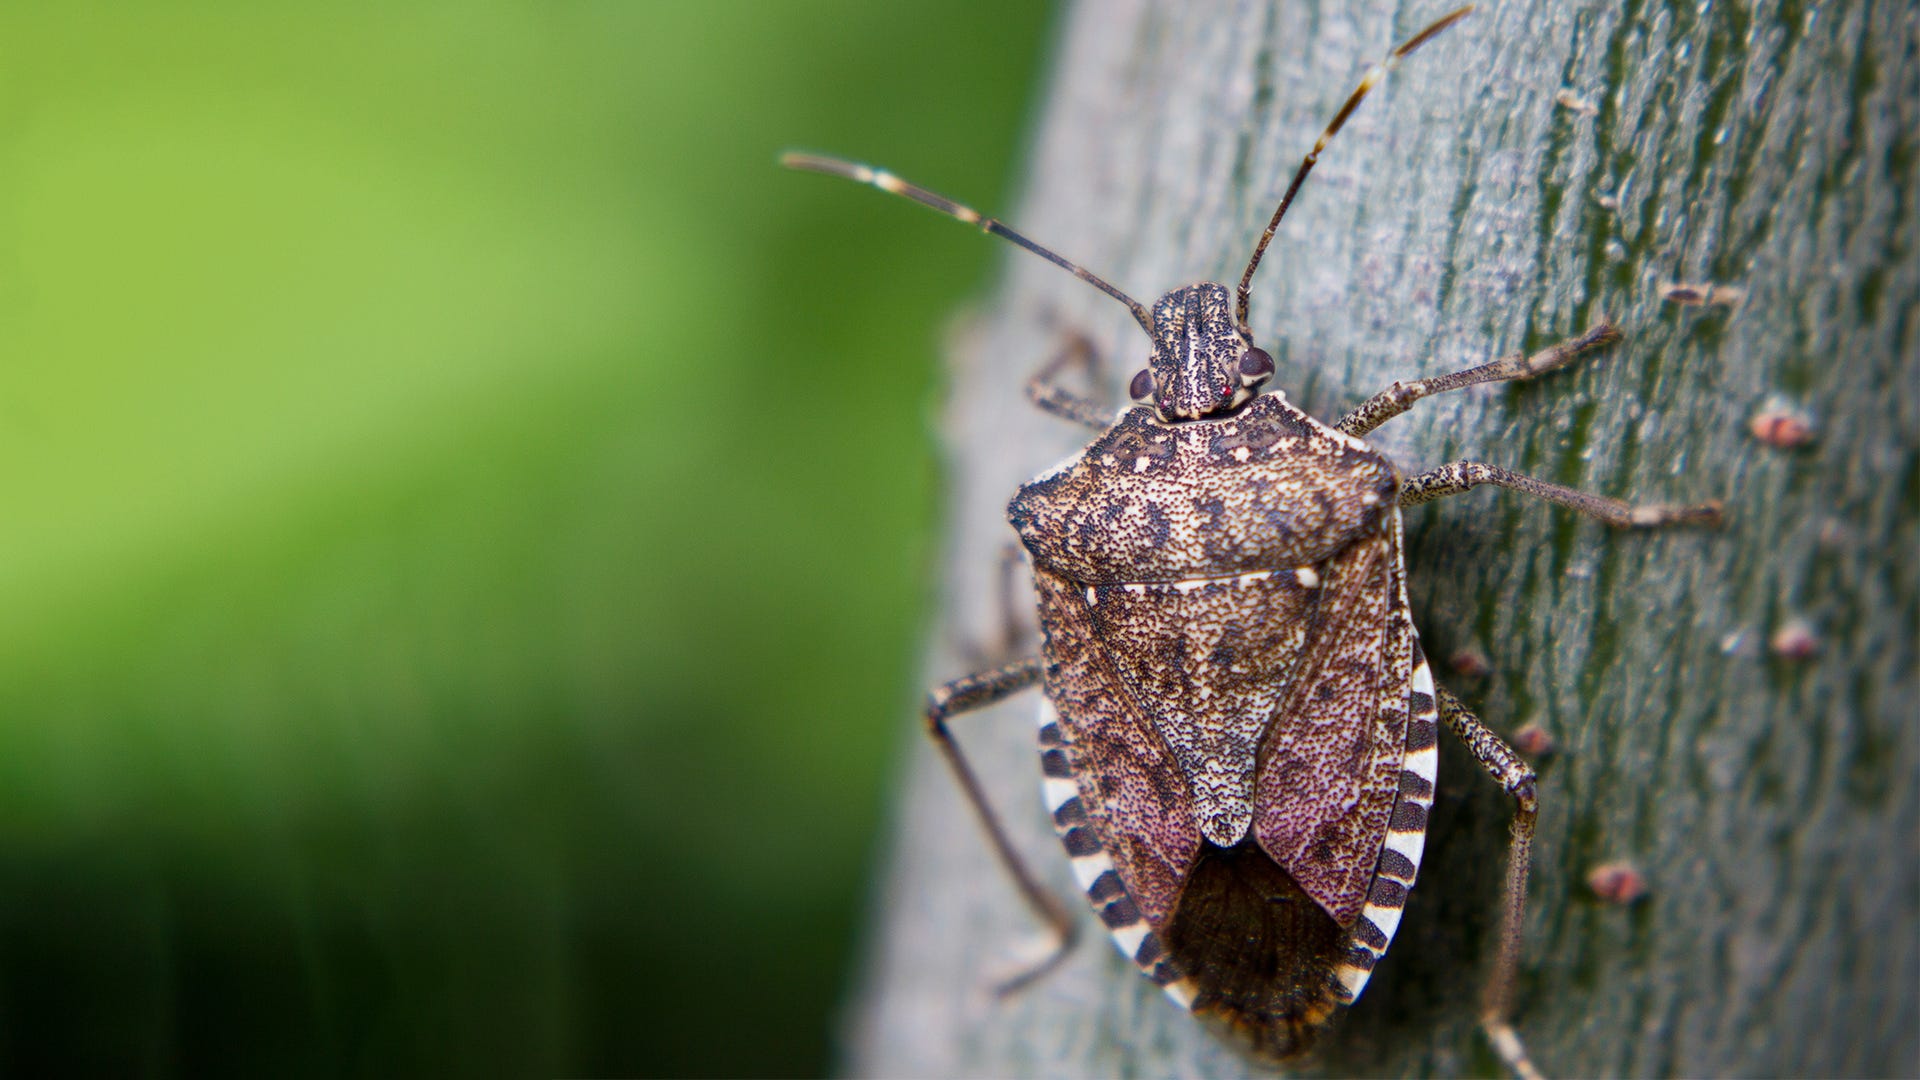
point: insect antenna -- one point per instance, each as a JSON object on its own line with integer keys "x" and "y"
{"x": 1373, "y": 78}
{"x": 888, "y": 182}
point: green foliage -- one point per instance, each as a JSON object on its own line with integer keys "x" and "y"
{"x": 467, "y": 522}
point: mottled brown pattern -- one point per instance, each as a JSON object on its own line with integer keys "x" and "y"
{"x": 1130, "y": 785}
{"x": 1267, "y": 488}
{"x": 1209, "y": 666}
{"x": 1216, "y": 595}
{"x": 1186, "y": 325}
{"x": 1330, "y": 767}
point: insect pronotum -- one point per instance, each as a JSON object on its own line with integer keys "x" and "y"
{"x": 1238, "y": 738}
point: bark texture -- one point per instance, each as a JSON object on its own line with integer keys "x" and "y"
{"x": 1465, "y": 213}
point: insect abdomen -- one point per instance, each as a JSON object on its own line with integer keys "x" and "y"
{"x": 1262, "y": 955}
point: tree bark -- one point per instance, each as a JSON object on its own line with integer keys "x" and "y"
{"x": 1464, "y": 213}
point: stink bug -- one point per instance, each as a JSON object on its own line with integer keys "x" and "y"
{"x": 1239, "y": 733}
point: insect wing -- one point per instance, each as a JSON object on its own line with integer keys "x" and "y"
{"x": 1330, "y": 765}
{"x": 1138, "y": 804}
{"x": 1209, "y": 663}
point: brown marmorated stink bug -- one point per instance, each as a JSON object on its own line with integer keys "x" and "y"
{"x": 1239, "y": 733}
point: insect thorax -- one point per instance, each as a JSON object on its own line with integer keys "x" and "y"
{"x": 1267, "y": 488}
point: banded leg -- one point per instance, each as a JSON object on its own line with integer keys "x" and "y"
{"x": 1400, "y": 397}
{"x": 1517, "y": 777}
{"x": 964, "y": 695}
{"x": 1043, "y": 389}
{"x": 1459, "y": 476}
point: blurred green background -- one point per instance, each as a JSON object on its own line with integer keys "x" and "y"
{"x": 467, "y": 522}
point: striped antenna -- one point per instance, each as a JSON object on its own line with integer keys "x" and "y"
{"x": 888, "y": 182}
{"x": 1373, "y": 78}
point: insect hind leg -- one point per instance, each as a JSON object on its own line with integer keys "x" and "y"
{"x": 978, "y": 691}
{"x": 1513, "y": 774}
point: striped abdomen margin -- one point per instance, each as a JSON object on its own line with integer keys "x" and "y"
{"x": 1406, "y": 832}
{"x": 1093, "y": 867}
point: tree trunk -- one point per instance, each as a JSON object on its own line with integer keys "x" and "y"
{"x": 1465, "y": 213}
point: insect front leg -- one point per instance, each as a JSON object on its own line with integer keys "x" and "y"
{"x": 1400, "y": 397}
{"x": 1459, "y": 476}
{"x": 1517, "y": 777}
{"x": 975, "y": 692}
{"x": 1044, "y": 389}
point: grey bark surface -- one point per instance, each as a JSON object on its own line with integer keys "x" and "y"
{"x": 1464, "y": 214}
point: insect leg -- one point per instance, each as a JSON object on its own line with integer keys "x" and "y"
{"x": 1517, "y": 777}
{"x": 1400, "y": 397}
{"x": 1009, "y": 602}
{"x": 964, "y": 695}
{"x": 1013, "y": 559}
{"x": 1459, "y": 476}
{"x": 1044, "y": 390}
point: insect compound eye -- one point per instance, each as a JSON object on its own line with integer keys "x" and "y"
{"x": 1255, "y": 365}
{"x": 1141, "y": 387}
